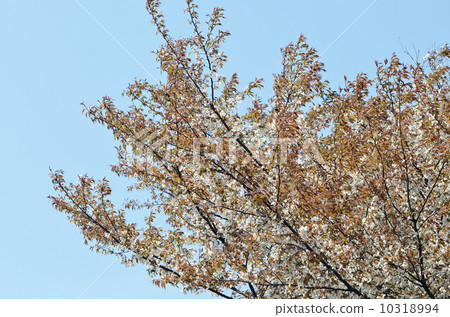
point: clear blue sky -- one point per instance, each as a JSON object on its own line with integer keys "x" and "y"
{"x": 53, "y": 56}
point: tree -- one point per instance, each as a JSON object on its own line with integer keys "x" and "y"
{"x": 314, "y": 193}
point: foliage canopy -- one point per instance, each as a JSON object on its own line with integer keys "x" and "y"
{"x": 313, "y": 193}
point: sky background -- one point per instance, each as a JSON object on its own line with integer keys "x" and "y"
{"x": 54, "y": 56}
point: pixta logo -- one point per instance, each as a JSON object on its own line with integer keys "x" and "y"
{"x": 148, "y": 147}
